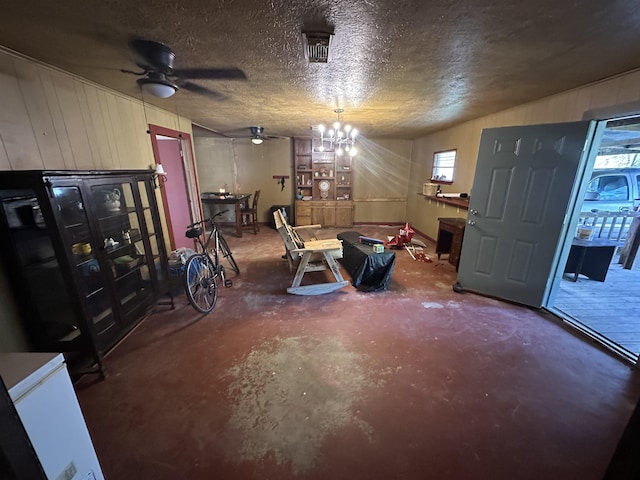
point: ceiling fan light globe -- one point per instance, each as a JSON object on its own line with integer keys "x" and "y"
{"x": 157, "y": 87}
{"x": 256, "y": 140}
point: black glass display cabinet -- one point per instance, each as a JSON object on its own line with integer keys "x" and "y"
{"x": 85, "y": 255}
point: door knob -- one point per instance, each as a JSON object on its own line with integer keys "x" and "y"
{"x": 471, "y": 222}
{"x": 473, "y": 212}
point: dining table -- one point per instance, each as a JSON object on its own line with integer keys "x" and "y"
{"x": 222, "y": 198}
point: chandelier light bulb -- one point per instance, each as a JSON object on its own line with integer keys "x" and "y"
{"x": 339, "y": 138}
{"x": 353, "y": 152}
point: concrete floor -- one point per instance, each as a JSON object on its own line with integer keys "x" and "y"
{"x": 412, "y": 383}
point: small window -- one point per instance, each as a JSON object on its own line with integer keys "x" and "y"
{"x": 443, "y": 166}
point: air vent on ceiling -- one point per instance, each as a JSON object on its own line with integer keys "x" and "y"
{"x": 317, "y": 46}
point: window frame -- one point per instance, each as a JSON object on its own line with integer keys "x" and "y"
{"x": 435, "y": 166}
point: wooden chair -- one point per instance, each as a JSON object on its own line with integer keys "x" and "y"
{"x": 310, "y": 256}
{"x": 250, "y": 215}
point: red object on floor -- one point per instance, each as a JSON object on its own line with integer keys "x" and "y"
{"x": 402, "y": 238}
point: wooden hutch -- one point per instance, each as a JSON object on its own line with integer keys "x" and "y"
{"x": 323, "y": 185}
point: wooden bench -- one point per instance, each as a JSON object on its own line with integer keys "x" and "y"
{"x": 310, "y": 255}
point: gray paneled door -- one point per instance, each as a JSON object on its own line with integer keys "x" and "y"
{"x": 524, "y": 182}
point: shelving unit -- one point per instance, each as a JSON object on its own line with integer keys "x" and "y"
{"x": 303, "y": 166}
{"x": 324, "y": 185}
{"x": 88, "y": 254}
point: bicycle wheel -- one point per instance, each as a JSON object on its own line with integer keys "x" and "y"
{"x": 226, "y": 253}
{"x": 200, "y": 283}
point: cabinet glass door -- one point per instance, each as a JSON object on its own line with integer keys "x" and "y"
{"x": 152, "y": 235}
{"x": 53, "y": 322}
{"x": 123, "y": 234}
{"x": 78, "y": 241}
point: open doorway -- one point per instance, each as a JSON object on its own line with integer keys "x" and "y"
{"x": 526, "y": 234}
{"x": 179, "y": 188}
{"x": 599, "y": 293}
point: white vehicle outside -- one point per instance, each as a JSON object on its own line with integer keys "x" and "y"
{"x": 613, "y": 190}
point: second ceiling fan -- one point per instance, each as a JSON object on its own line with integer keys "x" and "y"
{"x": 258, "y": 136}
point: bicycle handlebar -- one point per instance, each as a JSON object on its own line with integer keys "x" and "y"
{"x": 210, "y": 219}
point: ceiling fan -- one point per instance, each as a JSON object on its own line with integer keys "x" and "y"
{"x": 161, "y": 79}
{"x": 256, "y": 134}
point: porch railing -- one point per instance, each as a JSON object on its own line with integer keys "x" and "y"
{"x": 612, "y": 226}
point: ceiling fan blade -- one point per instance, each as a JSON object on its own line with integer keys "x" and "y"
{"x": 210, "y": 73}
{"x": 143, "y": 72}
{"x": 192, "y": 87}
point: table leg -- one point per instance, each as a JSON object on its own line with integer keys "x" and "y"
{"x": 575, "y": 261}
{"x": 583, "y": 253}
{"x": 238, "y": 220}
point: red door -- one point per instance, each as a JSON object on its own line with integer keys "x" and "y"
{"x": 175, "y": 188}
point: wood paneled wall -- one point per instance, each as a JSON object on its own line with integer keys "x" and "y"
{"x": 53, "y": 120}
{"x": 621, "y": 94}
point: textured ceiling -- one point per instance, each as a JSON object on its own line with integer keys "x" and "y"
{"x": 399, "y": 68}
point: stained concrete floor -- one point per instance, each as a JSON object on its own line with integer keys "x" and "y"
{"x": 417, "y": 382}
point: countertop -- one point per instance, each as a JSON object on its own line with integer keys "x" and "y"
{"x": 457, "y": 202}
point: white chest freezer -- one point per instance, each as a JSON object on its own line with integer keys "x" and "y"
{"x": 43, "y": 395}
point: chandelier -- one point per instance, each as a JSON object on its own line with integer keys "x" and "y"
{"x": 340, "y": 138}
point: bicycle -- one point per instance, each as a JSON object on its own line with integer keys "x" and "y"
{"x": 201, "y": 272}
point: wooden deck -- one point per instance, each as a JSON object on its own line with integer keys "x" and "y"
{"x": 611, "y": 308}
